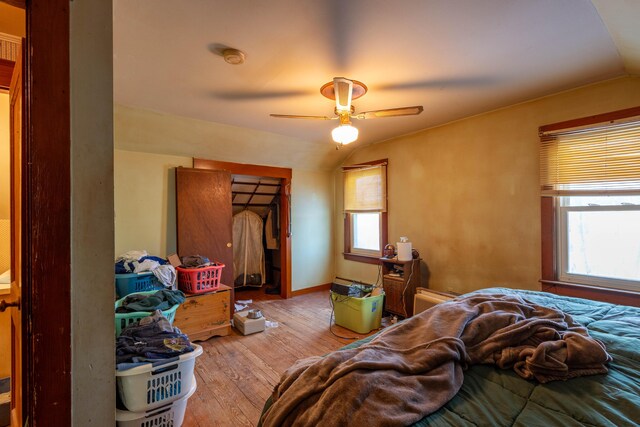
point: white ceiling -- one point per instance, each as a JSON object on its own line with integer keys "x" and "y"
{"x": 456, "y": 58}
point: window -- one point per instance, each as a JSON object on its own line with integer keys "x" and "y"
{"x": 599, "y": 241}
{"x": 592, "y": 173}
{"x": 365, "y": 207}
{"x": 365, "y": 234}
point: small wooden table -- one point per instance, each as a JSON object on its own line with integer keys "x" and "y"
{"x": 400, "y": 290}
{"x": 203, "y": 316}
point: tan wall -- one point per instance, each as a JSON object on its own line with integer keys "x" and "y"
{"x": 153, "y": 132}
{"x": 145, "y": 213}
{"x": 12, "y": 20}
{"x": 92, "y": 291}
{"x": 145, "y": 203}
{"x": 312, "y": 229}
{"x": 466, "y": 193}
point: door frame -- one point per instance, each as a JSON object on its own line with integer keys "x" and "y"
{"x": 46, "y": 214}
{"x": 285, "y": 207}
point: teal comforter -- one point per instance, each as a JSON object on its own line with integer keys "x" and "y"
{"x": 494, "y": 397}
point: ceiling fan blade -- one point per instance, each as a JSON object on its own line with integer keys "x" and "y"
{"x": 441, "y": 83}
{"x": 239, "y": 95}
{"x": 343, "y": 89}
{"x": 293, "y": 116}
{"x": 390, "y": 112}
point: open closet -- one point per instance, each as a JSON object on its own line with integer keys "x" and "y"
{"x": 238, "y": 214}
{"x": 256, "y": 231}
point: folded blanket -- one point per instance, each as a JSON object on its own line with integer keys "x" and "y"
{"x": 411, "y": 370}
{"x": 161, "y": 300}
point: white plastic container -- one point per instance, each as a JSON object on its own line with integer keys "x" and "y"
{"x": 150, "y": 386}
{"x": 404, "y": 249}
{"x": 168, "y": 415}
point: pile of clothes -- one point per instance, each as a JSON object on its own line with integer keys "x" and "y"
{"x": 161, "y": 300}
{"x": 197, "y": 261}
{"x": 142, "y": 262}
{"x": 151, "y": 339}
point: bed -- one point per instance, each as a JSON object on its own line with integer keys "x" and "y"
{"x": 499, "y": 397}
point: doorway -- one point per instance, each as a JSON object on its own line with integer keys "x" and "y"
{"x": 255, "y": 202}
{"x": 11, "y": 319}
{"x": 5, "y": 253}
{"x": 283, "y": 175}
{"x": 48, "y": 243}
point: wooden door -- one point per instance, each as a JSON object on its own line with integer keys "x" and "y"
{"x": 15, "y": 96}
{"x": 203, "y": 216}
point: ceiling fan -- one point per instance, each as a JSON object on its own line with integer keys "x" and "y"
{"x": 343, "y": 91}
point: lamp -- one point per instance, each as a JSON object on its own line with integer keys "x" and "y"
{"x": 344, "y": 133}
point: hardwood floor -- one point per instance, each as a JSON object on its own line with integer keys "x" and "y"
{"x": 236, "y": 374}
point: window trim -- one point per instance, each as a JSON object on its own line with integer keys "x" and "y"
{"x": 348, "y": 253}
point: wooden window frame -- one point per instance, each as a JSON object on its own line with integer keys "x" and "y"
{"x": 384, "y": 229}
{"x": 549, "y": 229}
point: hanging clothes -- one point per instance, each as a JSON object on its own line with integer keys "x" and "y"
{"x": 248, "y": 252}
{"x": 271, "y": 229}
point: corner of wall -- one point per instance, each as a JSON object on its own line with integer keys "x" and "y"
{"x": 92, "y": 229}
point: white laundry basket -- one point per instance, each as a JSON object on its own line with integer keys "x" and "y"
{"x": 168, "y": 415}
{"x": 150, "y": 385}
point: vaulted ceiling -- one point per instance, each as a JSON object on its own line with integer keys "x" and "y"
{"x": 456, "y": 58}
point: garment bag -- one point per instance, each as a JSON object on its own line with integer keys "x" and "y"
{"x": 248, "y": 252}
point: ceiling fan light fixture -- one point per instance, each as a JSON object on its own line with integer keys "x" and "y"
{"x": 344, "y": 134}
{"x": 343, "y": 91}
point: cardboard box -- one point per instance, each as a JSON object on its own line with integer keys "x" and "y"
{"x": 247, "y": 326}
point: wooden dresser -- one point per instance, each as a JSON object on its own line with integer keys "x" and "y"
{"x": 400, "y": 290}
{"x": 203, "y": 316}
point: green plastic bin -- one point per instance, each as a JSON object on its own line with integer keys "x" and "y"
{"x": 361, "y": 315}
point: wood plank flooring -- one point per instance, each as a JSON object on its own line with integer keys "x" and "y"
{"x": 236, "y": 374}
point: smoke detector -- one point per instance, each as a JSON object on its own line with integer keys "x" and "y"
{"x": 233, "y": 56}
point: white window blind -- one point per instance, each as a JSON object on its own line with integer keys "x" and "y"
{"x": 598, "y": 160}
{"x": 365, "y": 189}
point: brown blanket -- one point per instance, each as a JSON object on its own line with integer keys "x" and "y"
{"x": 411, "y": 370}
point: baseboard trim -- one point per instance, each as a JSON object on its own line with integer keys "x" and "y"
{"x": 323, "y": 287}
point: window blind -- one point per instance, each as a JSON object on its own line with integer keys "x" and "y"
{"x": 365, "y": 189}
{"x": 598, "y": 160}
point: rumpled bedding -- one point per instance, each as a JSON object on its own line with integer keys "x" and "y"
{"x": 411, "y": 370}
